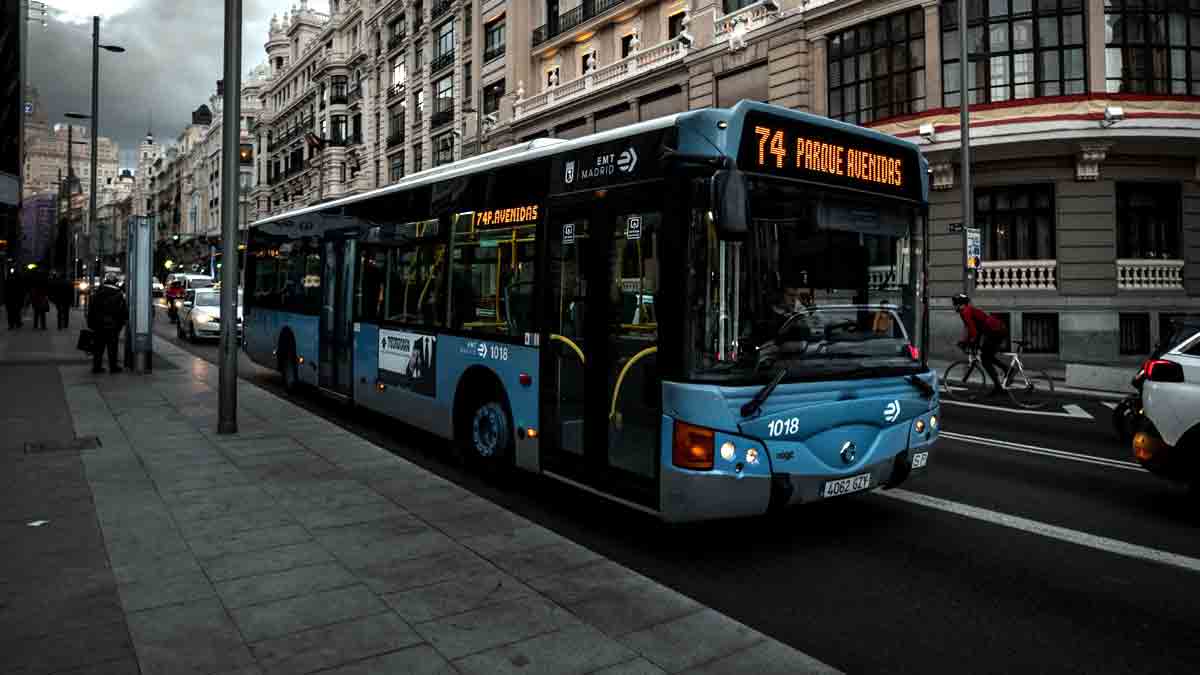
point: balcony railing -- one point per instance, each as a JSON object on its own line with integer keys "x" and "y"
{"x": 337, "y": 97}
{"x": 590, "y": 9}
{"x": 442, "y": 117}
{"x": 666, "y": 53}
{"x": 1149, "y": 275}
{"x": 752, "y": 17}
{"x": 440, "y": 8}
{"x": 395, "y": 138}
{"x": 395, "y": 40}
{"x": 395, "y": 90}
{"x": 1018, "y": 275}
{"x": 493, "y": 53}
{"x": 441, "y": 61}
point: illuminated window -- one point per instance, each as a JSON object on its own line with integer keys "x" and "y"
{"x": 1017, "y": 222}
{"x": 1152, "y": 47}
{"x": 1018, "y": 49}
{"x": 877, "y": 69}
{"x": 1148, "y": 221}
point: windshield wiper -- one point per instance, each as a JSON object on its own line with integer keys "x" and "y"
{"x": 924, "y": 387}
{"x": 752, "y": 407}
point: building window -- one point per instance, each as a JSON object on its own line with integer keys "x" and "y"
{"x": 340, "y": 89}
{"x": 418, "y": 158}
{"x": 443, "y": 149}
{"x": 395, "y": 124}
{"x": 588, "y": 61}
{"x": 468, "y": 83}
{"x": 491, "y": 97}
{"x": 493, "y": 40}
{"x": 1152, "y": 47}
{"x": 418, "y": 56}
{"x": 443, "y": 100}
{"x": 1135, "y": 334}
{"x": 877, "y": 69}
{"x": 467, "y": 21}
{"x": 626, "y": 45}
{"x": 246, "y": 153}
{"x": 356, "y": 125}
{"x": 675, "y": 25}
{"x": 1019, "y": 49}
{"x": 399, "y": 73}
{"x": 1041, "y": 332}
{"x": 1148, "y": 222}
{"x": 419, "y": 104}
{"x": 732, "y": 6}
{"x": 396, "y": 170}
{"x": 443, "y": 49}
{"x": 552, "y": 76}
{"x": 340, "y": 130}
{"x": 1017, "y": 222}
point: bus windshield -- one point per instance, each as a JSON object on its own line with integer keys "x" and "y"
{"x": 823, "y": 286}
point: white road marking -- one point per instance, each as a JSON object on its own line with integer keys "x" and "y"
{"x": 1122, "y": 548}
{"x": 1070, "y": 409}
{"x": 1109, "y": 404}
{"x": 36, "y": 523}
{"x": 1046, "y": 452}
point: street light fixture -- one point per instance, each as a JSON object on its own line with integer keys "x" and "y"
{"x": 96, "y": 47}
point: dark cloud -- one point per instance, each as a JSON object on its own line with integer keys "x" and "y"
{"x": 173, "y": 59}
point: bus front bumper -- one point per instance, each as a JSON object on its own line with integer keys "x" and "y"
{"x": 691, "y": 495}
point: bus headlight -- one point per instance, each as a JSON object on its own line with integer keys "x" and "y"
{"x": 752, "y": 455}
{"x": 933, "y": 422}
{"x": 728, "y": 451}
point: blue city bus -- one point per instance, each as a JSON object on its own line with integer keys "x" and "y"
{"x": 716, "y": 313}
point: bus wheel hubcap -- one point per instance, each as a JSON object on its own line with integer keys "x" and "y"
{"x": 489, "y": 429}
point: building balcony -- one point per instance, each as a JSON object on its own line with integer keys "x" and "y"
{"x": 394, "y": 139}
{"x": 634, "y": 65}
{"x": 439, "y": 8}
{"x": 590, "y": 9}
{"x": 493, "y": 53}
{"x": 1149, "y": 275}
{"x": 442, "y": 117}
{"x": 396, "y": 41}
{"x": 331, "y": 59}
{"x": 1018, "y": 275}
{"x": 735, "y": 25}
{"x": 339, "y": 97}
{"x": 441, "y": 61}
{"x": 395, "y": 91}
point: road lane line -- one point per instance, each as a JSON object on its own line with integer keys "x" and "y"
{"x": 1109, "y": 404}
{"x": 1073, "y": 411}
{"x": 1045, "y": 452}
{"x": 1122, "y": 548}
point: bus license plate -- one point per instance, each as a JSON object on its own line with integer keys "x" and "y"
{"x": 920, "y": 459}
{"x": 845, "y": 486}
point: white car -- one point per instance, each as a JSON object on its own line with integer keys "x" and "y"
{"x": 1170, "y": 444}
{"x": 200, "y": 315}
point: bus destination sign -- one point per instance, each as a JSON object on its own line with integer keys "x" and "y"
{"x": 795, "y": 149}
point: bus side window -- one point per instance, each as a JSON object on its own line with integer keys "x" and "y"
{"x": 370, "y": 284}
{"x": 415, "y": 283}
{"x": 493, "y": 279}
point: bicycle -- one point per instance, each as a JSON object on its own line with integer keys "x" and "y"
{"x": 968, "y": 380}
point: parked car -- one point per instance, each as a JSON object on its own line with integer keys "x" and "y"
{"x": 200, "y": 315}
{"x": 1168, "y": 443}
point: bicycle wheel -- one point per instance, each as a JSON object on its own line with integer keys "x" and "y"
{"x": 964, "y": 381}
{"x": 1031, "y": 388}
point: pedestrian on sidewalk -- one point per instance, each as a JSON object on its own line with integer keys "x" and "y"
{"x": 39, "y": 299}
{"x": 14, "y": 300}
{"x": 984, "y": 332}
{"x": 107, "y": 312}
{"x": 60, "y": 295}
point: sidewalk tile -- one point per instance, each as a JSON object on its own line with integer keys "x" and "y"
{"x": 503, "y": 623}
{"x": 148, "y": 567}
{"x": 151, "y": 593}
{"x": 383, "y": 541}
{"x": 635, "y": 667}
{"x": 239, "y": 522}
{"x": 419, "y": 660}
{"x": 764, "y": 658}
{"x": 485, "y": 522}
{"x": 196, "y": 636}
{"x": 262, "y": 588}
{"x": 279, "y": 618}
{"x": 398, "y": 575}
{"x": 533, "y": 536}
{"x": 237, "y": 565}
{"x": 335, "y": 645}
{"x": 674, "y": 644}
{"x": 456, "y": 596}
{"x": 582, "y": 582}
{"x": 350, "y": 515}
{"x": 76, "y": 649}
{"x": 572, "y": 650}
{"x": 625, "y": 607}
{"x": 214, "y": 545}
{"x": 532, "y": 563}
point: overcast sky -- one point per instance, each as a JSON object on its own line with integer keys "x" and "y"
{"x": 173, "y": 59}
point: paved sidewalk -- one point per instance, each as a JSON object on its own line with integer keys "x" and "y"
{"x": 296, "y": 546}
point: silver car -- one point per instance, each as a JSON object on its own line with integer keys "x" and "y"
{"x": 200, "y": 315}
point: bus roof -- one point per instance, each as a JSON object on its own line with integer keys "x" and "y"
{"x": 711, "y": 132}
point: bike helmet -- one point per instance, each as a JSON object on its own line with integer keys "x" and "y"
{"x": 960, "y": 300}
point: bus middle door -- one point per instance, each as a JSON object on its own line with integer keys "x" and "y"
{"x": 336, "y": 332}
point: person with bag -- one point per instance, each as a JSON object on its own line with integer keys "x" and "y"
{"x": 14, "y": 300}
{"x": 39, "y": 299}
{"x": 107, "y": 313}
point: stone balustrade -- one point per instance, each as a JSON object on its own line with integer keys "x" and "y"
{"x": 755, "y": 16}
{"x": 1018, "y": 275}
{"x": 1149, "y": 275}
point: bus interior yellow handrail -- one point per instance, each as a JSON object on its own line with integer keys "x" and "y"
{"x": 612, "y": 411}
{"x": 570, "y": 343}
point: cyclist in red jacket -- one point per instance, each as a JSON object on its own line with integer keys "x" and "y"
{"x": 984, "y": 331}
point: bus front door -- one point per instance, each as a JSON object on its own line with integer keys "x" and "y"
{"x": 334, "y": 368}
{"x": 601, "y": 413}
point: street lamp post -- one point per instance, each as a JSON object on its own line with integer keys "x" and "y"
{"x": 230, "y": 145}
{"x": 964, "y": 124}
{"x": 96, "y": 47}
{"x": 73, "y": 255}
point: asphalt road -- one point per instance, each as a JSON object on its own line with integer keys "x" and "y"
{"x": 1042, "y": 550}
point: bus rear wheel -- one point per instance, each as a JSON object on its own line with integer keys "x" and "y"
{"x": 485, "y": 433}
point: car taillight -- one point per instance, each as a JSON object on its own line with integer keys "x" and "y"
{"x": 1162, "y": 370}
{"x": 692, "y": 447}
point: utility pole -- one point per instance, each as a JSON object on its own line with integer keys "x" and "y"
{"x": 94, "y": 147}
{"x": 230, "y": 144}
{"x": 964, "y": 125}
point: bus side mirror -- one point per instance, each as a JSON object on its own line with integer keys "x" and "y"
{"x": 731, "y": 204}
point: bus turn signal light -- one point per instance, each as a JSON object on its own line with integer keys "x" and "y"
{"x": 1146, "y": 446}
{"x": 692, "y": 447}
